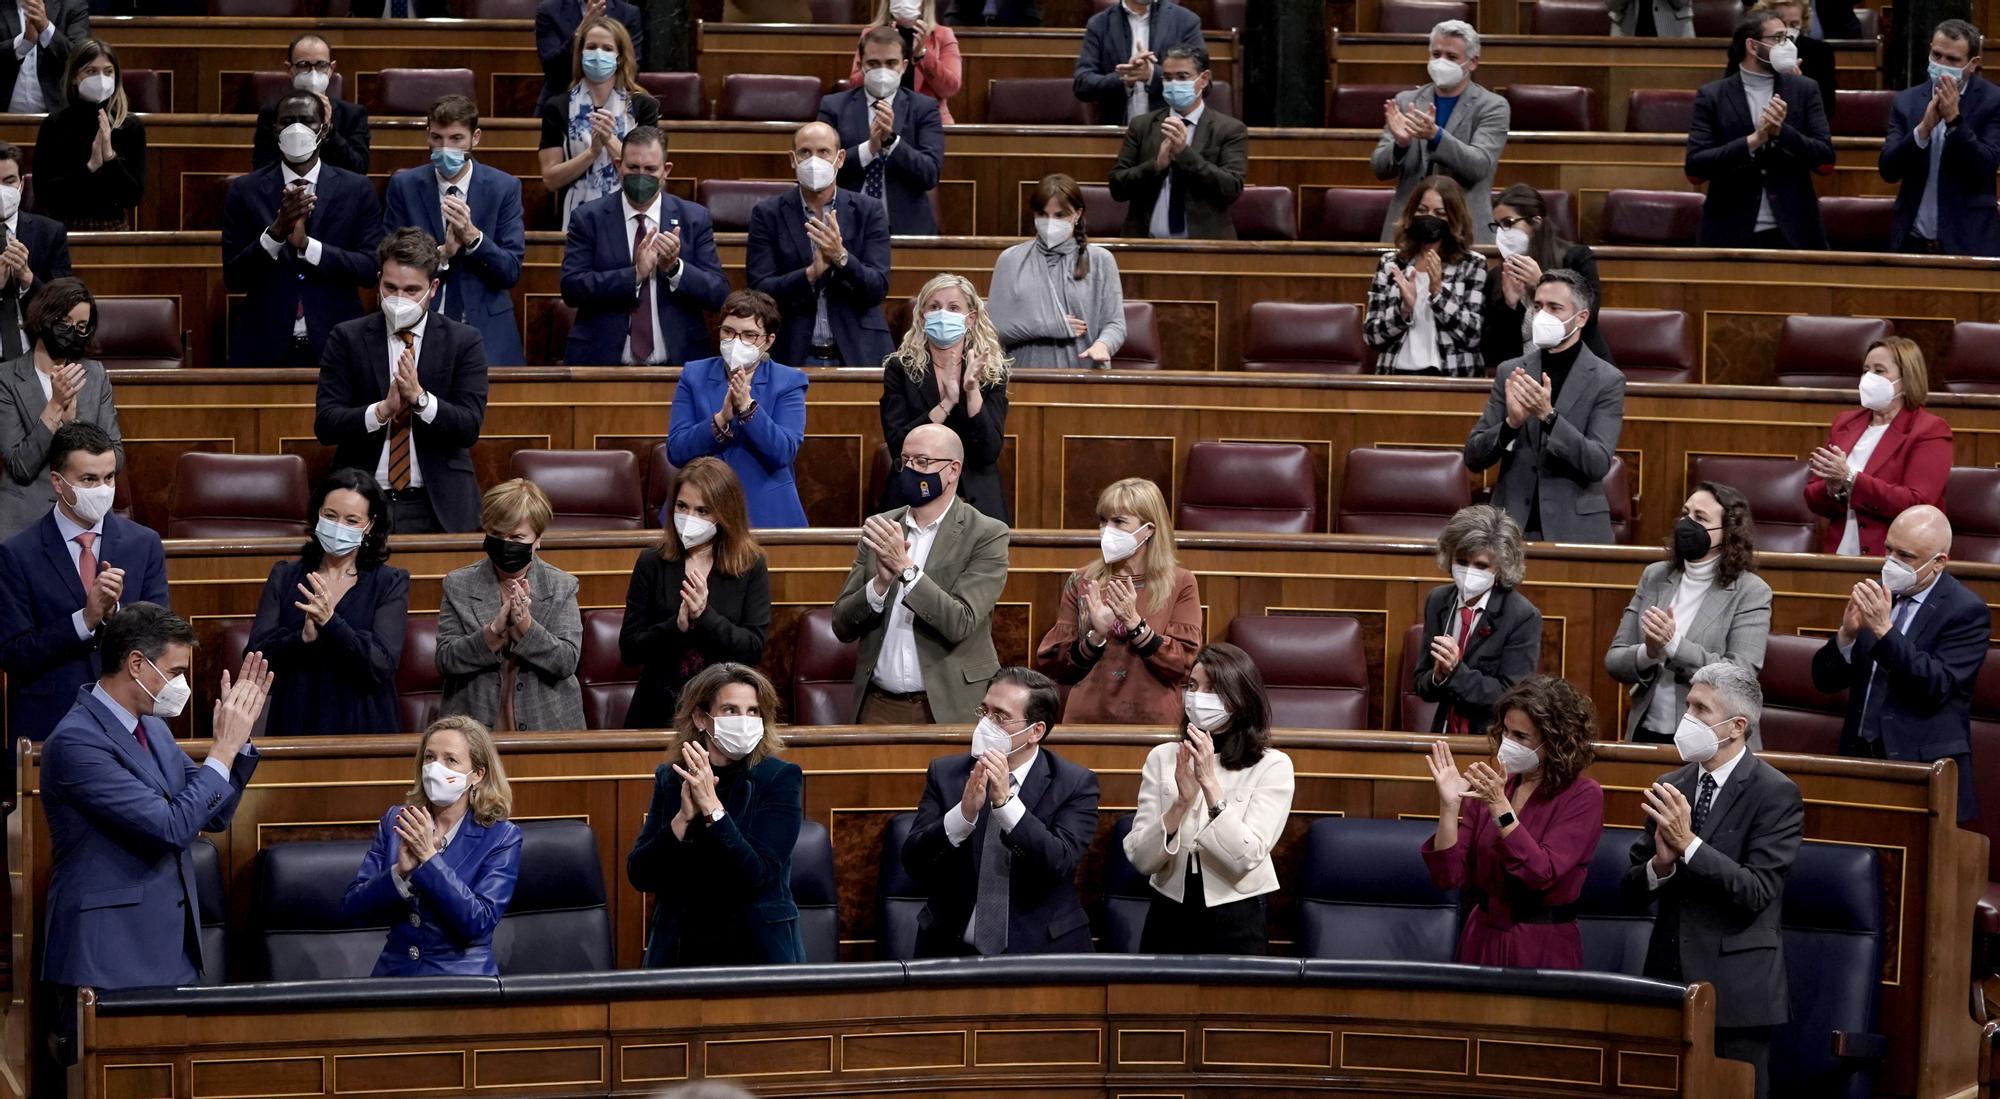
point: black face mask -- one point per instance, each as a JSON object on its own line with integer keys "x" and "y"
{"x": 1427, "y": 229}
{"x": 66, "y": 341}
{"x": 1690, "y": 540}
{"x": 508, "y": 557}
{"x": 916, "y": 489}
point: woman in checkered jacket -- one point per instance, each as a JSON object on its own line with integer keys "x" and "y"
{"x": 1424, "y": 307}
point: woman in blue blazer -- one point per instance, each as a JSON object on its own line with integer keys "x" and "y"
{"x": 745, "y": 409}
{"x": 443, "y": 864}
{"x": 716, "y": 849}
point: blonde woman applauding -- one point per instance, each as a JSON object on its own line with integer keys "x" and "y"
{"x": 952, "y": 371}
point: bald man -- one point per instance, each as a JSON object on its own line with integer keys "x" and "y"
{"x": 1909, "y": 648}
{"x": 919, "y": 600}
{"x": 823, "y": 253}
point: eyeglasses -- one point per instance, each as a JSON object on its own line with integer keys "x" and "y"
{"x": 312, "y": 66}
{"x": 741, "y": 334}
{"x": 924, "y": 463}
{"x": 998, "y": 718}
{"x": 1506, "y": 223}
{"x": 1770, "y": 38}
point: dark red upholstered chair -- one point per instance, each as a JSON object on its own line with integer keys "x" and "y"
{"x": 1776, "y": 489}
{"x": 1265, "y": 213}
{"x": 1231, "y": 14}
{"x": 1861, "y": 112}
{"x": 412, "y": 91}
{"x": 419, "y": 684}
{"x": 1142, "y": 339}
{"x": 1797, "y": 717}
{"x": 499, "y": 9}
{"x": 1650, "y": 345}
{"x": 1350, "y": 213}
{"x": 1248, "y": 488}
{"x": 878, "y": 480}
{"x": 1305, "y": 338}
{"x": 679, "y": 94}
{"x": 1657, "y": 218}
{"x": 822, "y": 672}
{"x": 1315, "y": 668}
{"x": 139, "y": 333}
{"x": 1972, "y": 503}
{"x": 238, "y": 496}
{"x": 282, "y": 9}
{"x": 1563, "y": 108}
{"x": 1359, "y": 106}
{"x": 1575, "y": 17}
{"x": 660, "y": 475}
{"x": 1972, "y": 362}
{"x": 1716, "y": 18}
{"x": 1561, "y": 210}
{"x": 1857, "y": 223}
{"x": 589, "y": 489}
{"x": 1826, "y": 351}
{"x": 1221, "y": 95}
{"x": 1103, "y": 216}
{"x": 1418, "y": 16}
{"x": 261, "y": 89}
{"x": 1401, "y": 493}
{"x": 1413, "y": 714}
{"x": 148, "y": 91}
{"x": 762, "y": 97}
{"x": 1618, "y": 493}
{"x": 1659, "y": 110}
{"x": 606, "y": 680}
{"x": 729, "y": 201}
{"x": 1035, "y": 101}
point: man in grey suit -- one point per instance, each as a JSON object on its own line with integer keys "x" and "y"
{"x": 41, "y": 34}
{"x": 1720, "y": 836}
{"x": 920, "y": 597}
{"x": 1449, "y": 127}
{"x": 52, "y": 385}
{"x": 1552, "y": 423}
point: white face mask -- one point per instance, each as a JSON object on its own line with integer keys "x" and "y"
{"x": 1117, "y": 544}
{"x": 1446, "y": 73}
{"x": 906, "y": 9}
{"x": 741, "y": 354}
{"x": 402, "y": 312}
{"x": 1204, "y": 710}
{"x": 988, "y": 736}
{"x": 444, "y": 786}
{"x": 1897, "y": 577}
{"x": 10, "y": 202}
{"x": 1696, "y": 742}
{"x": 1472, "y": 583}
{"x": 1517, "y": 758}
{"x": 881, "y": 83}
{"x": 91, "y": 504}
{"x": 1877, "y": 392}
{"x": 1548, "y": 330}
{"x": 298, "y": 142}
{"x": 314, "y": 82}
{"x": 694, "y": 530}
{"x": 173, "y": 697}
{"x": 737, "y": 735}
{"x": 97, "y": 88}
{"x": 816, "y": 173}
{"x": 1785, "y": 56}
{"x": 1054, "y": 231}
{"x": 1511, "y": 242}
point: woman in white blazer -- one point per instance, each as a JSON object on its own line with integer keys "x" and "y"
{"x": 1222, "y": 794}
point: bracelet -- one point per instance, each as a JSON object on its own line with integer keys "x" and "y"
{"x": 1214, "y": 811}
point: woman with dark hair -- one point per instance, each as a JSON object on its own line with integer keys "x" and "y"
{"x": 1703, "y": 604}
{"x": 1211, "y": 808}
{"x": 332, "y": 621}
{"x": 951, "y": 371}
{"x": 90, "y": 154}
{"x": 1519, "y": 839}
{"x": 1529, "y": 245}
{"x": 52, "y": 385}
{"x": 746, "y": 408}
{"x": 1056, "y": 300}
{"x": 1424, "y": 306}
{"x": 1481, "y": 635}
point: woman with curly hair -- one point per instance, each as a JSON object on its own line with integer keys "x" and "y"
{"x": 1426, "y": 301}
{"x": 951, "y": 370}
{"x": 1519, "y": 839}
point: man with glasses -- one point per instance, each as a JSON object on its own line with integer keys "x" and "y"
{"x": 999, "y": 832}
{"x": 920, "y": 597}
{"x": 310, "y": 62}
{"x": 1757, "y": 137}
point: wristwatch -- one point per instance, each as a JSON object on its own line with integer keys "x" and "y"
{"x": 715, "y": 815}
{"x": 1504, "y": 819}
{"x": 909, "y": 575}
{"x": 423, "y": 400}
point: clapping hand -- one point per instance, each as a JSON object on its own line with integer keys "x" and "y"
{"x": 1406, "y": 288}
{"x": 1173, "y": 139}
{"x": 1431, "y": 265}
{"x": 1093, "y": 610}
{"x": 104, "y": 595}
{"x": 1444, "y": 656}
{"x": 1829, "y": 463}
{"x": 1656, "y": 624}
{"x": 458, "y": 230}
{"x": 881, "y": 125}
{"x": 1186, "y": 781}
{"x": 238, "y": 705}
{"x": 1518, "y": 276}
{"x": 697, "y": 778}
{"x": 1769, "y": 121}
{"x": 34, "y": 17}
{"x": 1452, "y": 786}
{"x": 1396, "y": 122}
{"x": 1673, "y": 822}
{"x": 14, "y": 261}
{"x": 603, "y": 131}
{"x": 520, "y": 609}
{"x": 408, "y": 388}
{"x": 1944, "y": 100}
{"x": 884, "y": 538}
{"x": 739, "y": 400}
{"x": 1528, "y": 398}
{"x": 1206, "y": 770}
{"x": 1876, "y": 606}
{"x": 101, "y": 151}
{"x": 419, "y": 842}
{"x": 824, "y": 233}
{"x": 1487, "y": 785}
{"x": 317, "y": 605}
{"x": 1123, "y": 596}
{"x": 974, "y": 798}
{"x": 64, "y": 385}
{"x": 1138, "y": 69}
{"x": 694, "y": 599}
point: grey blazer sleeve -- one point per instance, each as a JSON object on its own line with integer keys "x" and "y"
{"x": 1387, "y": 160}
{"x": 554, "y": 644}
{"x": 1747, "y": 629}
{"x": 1621, "y": 660}
{"x": 1586, "y": 447}
{"x": 1476, "y": 159}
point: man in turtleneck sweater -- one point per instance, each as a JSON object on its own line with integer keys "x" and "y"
{"x": 1757, "y": 137}
{"x": 1552, "y": 423}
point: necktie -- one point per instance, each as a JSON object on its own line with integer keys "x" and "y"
{"x": 1871, "y": 712}
{"x": 1177, "y": 202}
{"x": 642, "y": 315}
{"x": 990, "y": 904}
{"x": 1704, "y": 802}
{"x": 1455, "y": 723}
{"x": 139, "y": 734}
{"x": 399, "y": 9}
{"x": 399, "y": 433}
{"x": 86, "y": 561}
{"x": 871, "y": 176}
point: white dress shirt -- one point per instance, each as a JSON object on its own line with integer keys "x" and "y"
{"x": 69, "y": 530}
{"x": 1419, "y": 349}
{"x": 19, "y": 319}
{"x": 957, "y": 828}
{"x": 131, "y": 723}
{"x": 1721, "y": 775}
{"x": 369, "y": 420}
{"x": 898, "y": 669}
{"x": 27, "y": 98}
{"x": 1857, "y": 460}
{"x": 310, "y": 253}
{"x": 1158, "y": 227}
{"x": 1139, "y": 97}
{"x": 673, "y": 277}
{"x": 1451, "y": 626}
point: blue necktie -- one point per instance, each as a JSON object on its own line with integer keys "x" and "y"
{"x": 399, "y": 9}
{"x": 1871, "y": 712}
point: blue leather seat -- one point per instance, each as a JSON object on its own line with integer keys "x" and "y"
{"x": 1614, "y": 935}
{"x": 558, "y": 921}
{"x": 1128, "y": 896}
{"x": 813, "y": 890}
{"x": 900, "y": 899}
{"x": 296, "y": 930}
{"x": 214, "y": 898}
{"x": 1832, "y": 923}
{"x": 1367, "y": 896}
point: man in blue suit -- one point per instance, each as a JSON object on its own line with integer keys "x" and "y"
{"x": 1907, "y": 653}
{"x": 474, "y": 212}
{"x": 1118, "y": 71}
{"x": 63, "y": 576}
{"x": 1943, "y": 149}
{"x": 892, "y": 136}
{"x": 34, "y": 251}
{"x": 823, "y": 254}
{"x": 298, "y": 242}
{"x": 556, "y": 22}
{"x": 640, "y": 267}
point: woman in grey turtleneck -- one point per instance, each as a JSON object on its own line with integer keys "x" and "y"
{"x": 1055, "y": 300}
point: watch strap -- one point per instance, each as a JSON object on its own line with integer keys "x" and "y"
{"x": 1504, "y": 819}
{"x": 715, "y": 817}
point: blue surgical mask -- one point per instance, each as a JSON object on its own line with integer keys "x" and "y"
{"x": 337, "y": 538}
{"x": 1180, "y": 94}
{"x": 600, "y": 64}
{"x": 1945, "y": 72}
{"x": 944, "y": 328}
{"x": 449, "y": 161}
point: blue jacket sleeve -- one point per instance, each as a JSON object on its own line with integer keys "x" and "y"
{"x": 27, "y": 647}
{"x": 471, "y": 910}
{"x": 353, "y": 263}
{"x": 1924, "y": 679}
{"x": 245, "y": 264}
{"x": 689, "y": 431}
{"x": 372, "y": 896}
{"x": 497, "y": 260}
{"x": 928, "y": 854}
{"x": 88, "y": 773}
{"x": 656, "y": 853}
{"x": 615, "y": 289}
{"x": 152, "y": 577}
{"x": 774, "y": 434}
{"x": 793, "y": 291}
{"x": 866, "y": 274}
{"x": 760, "y": 847}
{"x": 919, "y": 158}
{"x": 702, "y": 280}
{"x": 1096, "y": 71}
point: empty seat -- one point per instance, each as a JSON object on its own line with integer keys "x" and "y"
{"x": 1248, "y": 488}
{"x": 1265, "y": 213}
{"x": 296, "y": 931}
{"x": 607, "y": 681}
{"x": 1359, "y": 106}
{"x": 1857, "y": 223}
{"x": 1561, "y": 210}
{"x": 1797, "y": 717}
{"x": 729, "y": 201}
{"x": 1103, "y": 216}
{"x": 139, "y": 334}
{"x": 1413, "y": 714}
{"x": 238, "y": 496}
{"x": 1659, "y": 110}
{"x": 1351, "y": 213}
{"x": 1650, "y": 345}
{"x": 1368, "y": 897}
{"x": 1401, "y": 493}
{"x": 899, "y": 900}
{"x": 1972, "y": 502}
{"x": 1618, "y": 493}
{"x": 1035, "y": 101}
{"x": 1128, "y": 896}
{"x": 1832, "y": 925}
{"x": 1221, "y": 95}
{"x": 761, "y": 97}
{"x": 214, "y": 899}
{"x": 822, "y": 672}
{"x": 1972, "y": 362}
{"x": 1860, "y": 112}
{"x": 557, "y": 921}
{"x": 589, "y": 489}
{"x": 1315, "y": 668}
{"x": 1776, "y": 489}
{"x": 1305, "y": 338}
{"x": 412, "y": 91}
{"x": 1576, "y": 17}
{"x": 1716, "y": 18}
{"x": 813, "y": 890}
{"x": 1142, "y": 339}
{"x": 1231, "y": 14}
{"x": 1826, "y": 351}
{"x": 148, "y": 91}
{"x": 1418, "y": 16}
{"x": 1563, "y": 108}
{"x": 679, "y": 95}
{"x": 1615, "y": 935}
{"x": 419, "y": 684}
{"x": 1660, "y": 218}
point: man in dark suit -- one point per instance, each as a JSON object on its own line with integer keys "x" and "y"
{"x": 1552, "y": 423}
{"x": 298, "y": 242}
{"x": 1117, "y": 71}
{"x": 41, "y": 32}
{"x": 893, "y": 139}
{"x": 1757, "y": 137}
{"x": 310, "y": 61}
{"x": 475, "y": 211}
{"x": 1908, "y": 652}
{"x": 1814, "y": 58}
{"x": 640, "y": 267}
{"x": 1183, "y": 166}
{"x": 1720, "y": 836}
{"x": 1942, "y": 151}
{"x": 34, "y": 251}
{"x": 999, "y": 832}
{"x": 556, "y": 22}
{"x": 402, "y": 394}
{"x": 823, "y": 254}
{"x": 63, "y": 576}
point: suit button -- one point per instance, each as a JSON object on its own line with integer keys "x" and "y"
{"x": 414, "y": 954}
{"x": 416, "y": 921}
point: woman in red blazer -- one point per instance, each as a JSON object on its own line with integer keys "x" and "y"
{"x": 1885, "y": 457}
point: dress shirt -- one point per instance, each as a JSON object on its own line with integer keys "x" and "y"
{"x": 897, "y": 668}
{"x": 131, "y": 725}
{"x": 48, "y": 385}
{"x": 1139, "y": 97}
{"x": 1758, "y": 89}
{"x": 1926, "y": 223}
{"x": 27, "y": 98}
{"x": 822, "y": 327}
{"x": 69, "y": 530}
{"x": 1458, "y": 615}
{"x": 1158, "y": 227}
{"x": 1721, "y": 775}
{"x": 1857, "y": 460}
{"x": 429, "y": 413}
{"x": 673, "y": 279}
{"x": 1898, "y": 620}
{"x": 310, "y": 253}
{"x": 19, "y": 319}
{"x": 403, "y": 883}
{"x": 866, "y": 152}
{"x": 957, "y": 828}
{"x": 1419, "y": 350}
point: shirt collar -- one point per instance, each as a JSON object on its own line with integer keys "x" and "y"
{"x": 1193, "y": 117}
{"x": 910, "y": 520}
{"x": 69, "y": 530}
{"x": 125, "y": 717}
{"x": 464, "y": 185}
{"x": 1918, "y": 597}
{"x": 652, "y": 211}
{"x": 1721, "y": 774}
{"x": 1478, "y": 604}
{"x": 1021, "y": 773}
{"x": 311, "y": 177}
{"x": 416, "y": 330}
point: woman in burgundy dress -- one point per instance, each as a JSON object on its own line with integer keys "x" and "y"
{"x": 1519, "y": 840}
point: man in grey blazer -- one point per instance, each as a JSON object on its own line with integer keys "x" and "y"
{"x": 920, "y": 597}
{"x": 1552, "y": 422}
{"x": 51, "y": 385}
{"x": 1449, "y": 127}
{"x": 1182, "y": 168}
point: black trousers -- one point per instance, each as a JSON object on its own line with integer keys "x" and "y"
{"x": 1189, "y": 926}
{"x": 1748, "y": 1043}
{"x": 415, "y": 515}
{"x": 1770, "y": 238}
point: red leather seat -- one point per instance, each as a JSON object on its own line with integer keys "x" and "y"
{"x": 419, "y": 684}
{"x": 1315, "y": 668}
{"x": 499, "y": 9}
{"x": 1221, "y": 95}
{"x": 878, "y": 481}
{"x": 1857, "y": 223}
{"x": 1972, "y": 361}
{"x": 762, "y": 97}
{"x": 1972, "y": 503}
{"x": 1359, "y": 106}
{"x": 1413, "y": 714}
{"x": 1248, "y": 488}
{"x": 412, "y": 91}
{"x": 679, "y": 94}
{"x": 226, "y": 651}
{"x": 729, "y": 201}
{"x": 606, "y": 680}
{"x": 1797, "y": 717}
{"x": 259, "y": 90}
{"x": 1350, "y": 213}
{"x": 1561, "y": 108}
{"x": 1231, "y": 14}
{"x": 1650, "y": 345}
{"x": 1142, "y": 339}
{"x": 238, "y": 496}
{"x": 822, "y": 672}
{"x": 1035, "y": 101}
{"x": 1103, "y": 216}
{"x": 1561, "y": 211}
{"x": 1418, "y": 16}
{"x": 1826, "y": 351}
{"x": 1305, "y": 338}
{"x": 1658, "y": 218}
{"x": 139, "y": 333}
{"x": 1401, "y": 493}
{"x": 282, "y": 9}
{"x": 1265, "y": 213}
{"x": 148, "y": 91}
{"x": 1716, "y": 18}
{"x": 1659, "y": 110}
{"x": 1574, "y": 17}
{"x": 1776, "y": 489}
{"x": 1618, "y": 493}
{"x": 1861, "y": 112}
{"x": 589, "y": 489}
{"x": 660, "y": 475}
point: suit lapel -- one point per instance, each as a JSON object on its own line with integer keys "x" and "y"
{"x": 58, "y": 555}
{"x": 1892, "y": 440}
{"x": 22, "y": 378}
{"x": 485, "y": 593}
{"x": 1712, "y": 605}
{"x": 1486, "y": 623}
{"x": 1462, "y": 123}
{"x": 1034, "y": 788}
{"x": 126, "y": 744}
{"x": 377, "y": 355}
{"x": 1735, "y": 108}
{"x": 430, "y": 357}
{"x": 794, "y": 209}
{"x": 942, "y": 565}
{"x": 466, "y": 847}
{"x": 1582, "y": 376}
{"x": 1731, "y": 794}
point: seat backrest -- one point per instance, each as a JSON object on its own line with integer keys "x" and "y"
{"x": 1857, "y": 223}
{"x": 1561, "y": 207}
{"x": 835, "y": 11}
{"x": 1576, "y": 17}
{"x": 258, "y": 90}
{"x": 1128, "y": 896}
{"x": 1776, "y": 490}
{"x": 763, "y": 97}
{"x": 1232, "y": 14}
{"x": 213, "y": 896}
{"x": 1861, "y": 112}
{"x": 1249, "y": 488}
{"x": 899, "y": 899}
{"x": 1618, "y": 493}
{"x": 1350, "y": 213}
{"x": 1103, "y": 216}
{"x": 1035, "y": 101}
{"x": 296, "y": 930}
{"x": 1221, "y": 95}
{"x": 1401, "y": 493}
{"x": 589, "y": 489}
{"x": 237, "y": 496}
{"x": 1869, "y": 22}
{"x": 147, "y": 91}
{"x": 1315, "y": 668}
{"x": 1833, "y": 925}
{"x": 413, "y": 91}
{"x": 607, "y": 681}
{"x": 1658, "y": 218}
{"x": 139, "y": 333}
{"x": 1142, "y": 339}
{"x": 1659, "y": 110}
{"x": 1972, "y": 502}
{"x": 679, "y": 95}
{"x": 1650, "y": 345}
{"x": 813, "y": 890}
{"x": 1986, "y": 747}
{"x": 1564, "y": 108}
{"x": 558, "y": 921}
{"x": 1359, "y": 106}
{"x": 1368, "y": 897}
{"x": 1716, "y": 18}
{"x": 1796, "y": 716}
{"x": 660, "y": 475}
{"x": 822, "y": 672}
{"x": 1413, "y": 714}
{"x": 1265, "y": 213}
{"x": 1972, "y": 362}
{"x": 1615, "y": 936}
{"x": 419, "y": 684}
{"x": 1304, "y": 338}
{"x": 1826, "y": 351}
{"x": 729, "y": 201}
{"x": 1418, "y": 16}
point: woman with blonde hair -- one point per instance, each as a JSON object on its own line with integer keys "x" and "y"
{"x": 1050, "y": 294}
{"x": 1426, "y": 303}
{"x": 1883, "y": 458}
{"x": 583, "y": 133}
{"x": 951, "y": 370}
{"x": 935, "y": 69}
{"x": 716, "y": 849}
{"x": 90, "y": 153}
{"x": 441, "y": 870}
{"x": 1130, "y": 622}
